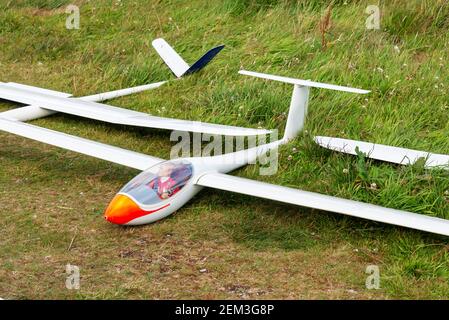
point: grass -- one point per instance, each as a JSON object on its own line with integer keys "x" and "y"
{"x": 250, "y": 248}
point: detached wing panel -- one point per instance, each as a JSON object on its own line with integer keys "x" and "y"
{"x": 383, "y": 152}
{"x": 38, "y": 90}
{"x": 91, "y": 148}
{"x": 22, "y": 93}
{"x": 324, "y": 202}
{"x": 102, "y": 112}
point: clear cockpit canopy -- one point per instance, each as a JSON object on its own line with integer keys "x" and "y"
{"x": 159, "y": 182}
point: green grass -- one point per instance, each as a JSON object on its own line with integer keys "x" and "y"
{"x": 251, "y": 248}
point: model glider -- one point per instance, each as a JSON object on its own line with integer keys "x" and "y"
{"x": 165, "y": 186}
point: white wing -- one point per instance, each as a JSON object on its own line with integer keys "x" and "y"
{"x": 324, "y": 202}
{"x": 383, "y": 152}
{"x": 36, "y": 89}
{"x": 91, "y": 148}
{"x": 102, "y": 112}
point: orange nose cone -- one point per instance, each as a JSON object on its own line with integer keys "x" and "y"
{"x": 123, "y": 209}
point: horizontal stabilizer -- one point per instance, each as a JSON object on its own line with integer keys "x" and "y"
{"x": 384, "y": 153}
{"x": 91, "y": 148}
{"x": 304, "y": 83}
{"x": 325, "y": 202}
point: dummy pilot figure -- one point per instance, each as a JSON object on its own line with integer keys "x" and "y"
{"x": 164, "y": 185}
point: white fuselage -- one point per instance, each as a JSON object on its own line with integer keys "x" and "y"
{"x": 201, "y": 165}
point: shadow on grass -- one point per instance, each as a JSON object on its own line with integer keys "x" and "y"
{"x": 262, "y": 224}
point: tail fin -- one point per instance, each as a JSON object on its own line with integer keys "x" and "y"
{"x": 300, "y": 98}
{"x": 177, "y": 64}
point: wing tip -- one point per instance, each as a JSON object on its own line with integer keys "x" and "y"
{"x": 157, "y": 41}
